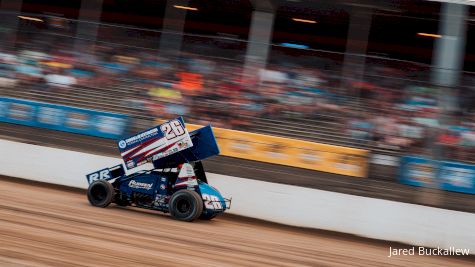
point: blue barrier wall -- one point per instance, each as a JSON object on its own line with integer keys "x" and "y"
{"x": 63, "y": 118}
{"x": 450, "y": 176}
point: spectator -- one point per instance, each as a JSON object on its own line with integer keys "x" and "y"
{"x": 60, "y": 81}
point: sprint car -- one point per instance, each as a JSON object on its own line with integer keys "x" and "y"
{"x": 176, "y": 184}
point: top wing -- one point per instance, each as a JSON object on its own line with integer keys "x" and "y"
{"x": 158, "y": 142}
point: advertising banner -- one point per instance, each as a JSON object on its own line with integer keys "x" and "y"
{"x": 419, "y": 171}
{"x": 63, "y": 118}
{"x": 449, "y": 176}
{"x": 291, "y": 152}
{"x": 458, "y": 177}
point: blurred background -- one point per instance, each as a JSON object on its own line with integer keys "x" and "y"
{"x": 394, "y": 79}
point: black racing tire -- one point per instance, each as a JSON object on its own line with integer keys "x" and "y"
{"x": 186, "y": 205}
{"x": 208, "y": 217}
{"x": 100, "y": 193}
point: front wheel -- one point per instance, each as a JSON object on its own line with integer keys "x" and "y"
{"x": 100, "y": 193}
{"x": 186, "y": 205}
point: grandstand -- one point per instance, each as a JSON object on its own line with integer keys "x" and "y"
{"x": 384, "y": 100}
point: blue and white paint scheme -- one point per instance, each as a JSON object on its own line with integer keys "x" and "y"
{"x": 175, "y": 170}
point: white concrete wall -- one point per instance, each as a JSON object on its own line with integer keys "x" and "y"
{"x": 51, "y": 165}
{"x": 292, "y": 205}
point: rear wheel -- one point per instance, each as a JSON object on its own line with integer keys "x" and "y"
{"x": 186, "y": 205}
{"x": 100, "y": 193}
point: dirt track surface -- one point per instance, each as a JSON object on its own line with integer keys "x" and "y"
{"x": 44, "y": 226}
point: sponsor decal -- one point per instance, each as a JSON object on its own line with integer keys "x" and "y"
{"x": 21, "y": 111}
{"x": 422, "y": 172}
{"x": 186, "y": 171}
{"x": 130, "y": 164}
{"x": 140, "y": 185}
{"x": 112, "y": 125}
{"x": 241, "y": 145}
{"x": 461, "y": 177}
{"x": 77, "y": 120}
{"x": 49, "y": 115}
{"x": 212, "y": 202}
{"x": 155, "y": 143}
{"x": 122, "y": 144}
{"x": 142, "y": 136}
{"x": 160, "y": 200}
{"x": 192, "y": 182}
{"x": 186, "y": 177}
{"x": 309, "y": 158}
{"x": 102, "y": 174}
{"x": 162, "y": 186}
{"x": 275, "y": 150}
{"x": 348, "y": 163}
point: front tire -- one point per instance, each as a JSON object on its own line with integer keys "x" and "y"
{"x": 100, "y": 193}
{"x": 186, "y": 205}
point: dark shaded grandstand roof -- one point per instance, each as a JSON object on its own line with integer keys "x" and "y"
{"x": 393, "y": 33}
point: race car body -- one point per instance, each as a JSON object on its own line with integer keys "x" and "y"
{"x": 176, "y": 184}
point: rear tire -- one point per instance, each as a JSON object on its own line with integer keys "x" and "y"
{"x": 100, "y": 193}
{"x": 186, "y": 205}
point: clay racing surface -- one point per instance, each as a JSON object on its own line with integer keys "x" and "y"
{"x": 46, "y": 226}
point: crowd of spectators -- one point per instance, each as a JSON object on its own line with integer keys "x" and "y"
{"x": 385, "y": 109}
{"x": 198, "y": 87}
{"x": 415, "y": 122}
